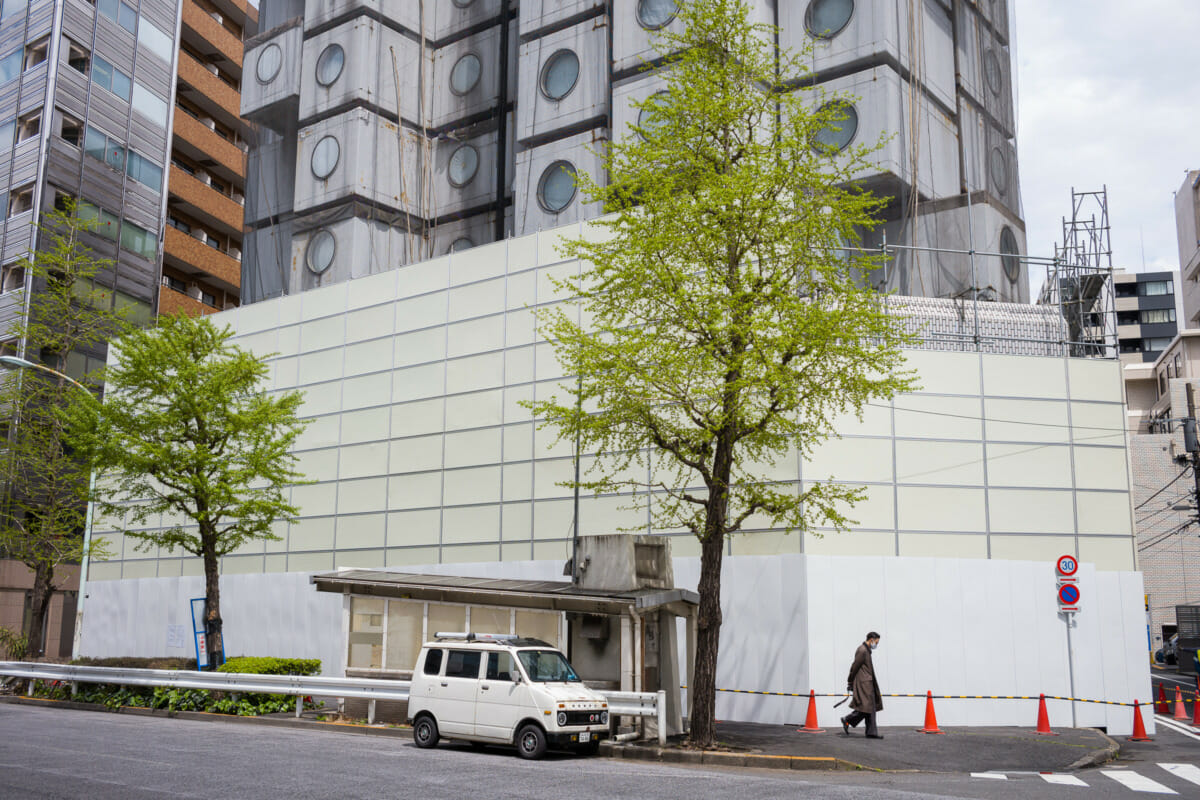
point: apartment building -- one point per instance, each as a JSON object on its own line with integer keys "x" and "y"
{"x": 397, "y": 130}
{"x": 1187, "y": 230}
{"x": 202, "y": 241}
{"x": 1149, "y": 310}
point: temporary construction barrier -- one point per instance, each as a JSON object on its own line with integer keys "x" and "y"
{"x": 1043, "y": 723}
{"x": 930, "y": 716}
{"x": 810, "y": 720}
{"x": 1139, "y": 728}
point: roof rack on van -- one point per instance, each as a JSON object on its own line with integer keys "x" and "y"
{"x": 470, "y": 636}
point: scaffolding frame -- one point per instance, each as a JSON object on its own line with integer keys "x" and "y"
{"x": 1079, "y": 281}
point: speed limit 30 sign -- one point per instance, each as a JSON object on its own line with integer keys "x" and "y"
{"x": 1068, "y": 584}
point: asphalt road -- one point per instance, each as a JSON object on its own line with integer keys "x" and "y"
{"x": 61, "y": 753}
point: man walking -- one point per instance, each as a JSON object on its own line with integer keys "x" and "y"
{"x": 867, "y": 698}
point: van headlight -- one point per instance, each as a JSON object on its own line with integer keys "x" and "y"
{"x": 604, "y": 718}
{"x": 562, "y": 719}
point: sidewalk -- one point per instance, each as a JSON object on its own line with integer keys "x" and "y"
{"x": 957, "y": 750}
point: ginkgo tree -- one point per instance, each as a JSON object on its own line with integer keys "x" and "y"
{"x": 725, "y": 323}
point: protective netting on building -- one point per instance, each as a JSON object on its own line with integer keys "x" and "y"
{"x": 967, "y": 326}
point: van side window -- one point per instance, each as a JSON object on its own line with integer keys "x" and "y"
{"x": 500, "y": 667}
{"x": 433, "y": 662}
{"x": 463, "y": 664}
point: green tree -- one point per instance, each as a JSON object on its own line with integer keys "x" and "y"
{"x": 188, "y": 431}
{"x": 727, "y": 324}
{"x": 68, "y": 318}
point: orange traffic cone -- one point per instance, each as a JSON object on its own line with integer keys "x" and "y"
{"x": 1180, "y": 708}
{"x": 1160, "y": 705}
{"x": 930, "y": 716}
{"x": 1139, "y": 729}
{"x": 810, "y": 721}
{"x": 1043, "y": 726}
{"x": 1196, "y": 704}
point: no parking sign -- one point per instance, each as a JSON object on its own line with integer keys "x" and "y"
{"x": 1068, "y": 585}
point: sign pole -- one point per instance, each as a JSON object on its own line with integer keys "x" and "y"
{"x": 1071, "y": 667}
{"x": 1068, "y": 604}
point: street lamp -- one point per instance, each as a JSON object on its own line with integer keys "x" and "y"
{"x": 14, "y": 362}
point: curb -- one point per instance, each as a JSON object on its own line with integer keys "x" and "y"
{"x": 204, "y": 716}
{"x": 1097, "y": 757}
{"x": 675, "y": 755}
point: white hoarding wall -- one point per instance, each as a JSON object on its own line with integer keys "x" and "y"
{"x": 791, "y": 623}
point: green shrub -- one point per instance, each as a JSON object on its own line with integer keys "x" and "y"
{"x": 13, "y": 644}
{"x": 136, "y": 662}
{"x": 264, "y": 665}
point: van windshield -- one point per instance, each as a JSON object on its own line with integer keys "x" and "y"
{"x": 546, "y": 666}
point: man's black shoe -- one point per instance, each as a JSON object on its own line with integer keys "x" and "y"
{"x": 845, "y": 727}
{"x": 876, "y": 736}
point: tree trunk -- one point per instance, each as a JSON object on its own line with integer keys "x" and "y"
{"x": 43, "y": 589}
{"x": 212, "y": 605}
{"x": 708, "y": 634}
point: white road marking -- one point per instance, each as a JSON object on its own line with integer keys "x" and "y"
{"x": 1177, "y": 727}
{"x": 1063, "y": 780}
{"x": 996, "y": 776}
{"x": 1136, "y": 782}
{"x": 1188, "y": 772}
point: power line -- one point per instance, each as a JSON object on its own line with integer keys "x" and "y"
{"x": 1012, "y": 421}
{"x": 1169, "y": 484}
{"x": 1163, "y": 537}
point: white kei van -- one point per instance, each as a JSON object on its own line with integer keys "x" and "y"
{"x": 502, "y": 689}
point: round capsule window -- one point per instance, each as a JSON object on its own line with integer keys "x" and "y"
{"x": 462, "y": 3}
{"x": 824, "y": 19}
{"x": 556, "y": 187}
{"x": 460, "y": 244}
{"x": 464, "y": 163}
{"x": 649, "y": 120}
{"x": 325, "y": 157}
{"x": 992, "y": 72}
{"x": 464, "y": 75}
{"x": 321, "y": 249}
{"x": 269, "y": 62}
{"x": 838, "y": 134}
{"x": 654, "y": 14}
{"x": 1010, "y": 254}
{"x": 998, "y": 166}
{"x": 559, "y": 74}
{"x": 330, "y": 63}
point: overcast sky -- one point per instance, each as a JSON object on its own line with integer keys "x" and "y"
{"x": 1107, "y": 93}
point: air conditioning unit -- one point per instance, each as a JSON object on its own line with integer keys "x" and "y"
{"x": 237, "y": 254}
{"x": 193, "y": 291}
{"x": 208, "y": 123}
{"x": 203, "y": 177}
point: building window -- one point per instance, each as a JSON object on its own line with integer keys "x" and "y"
{"x": 106, "y": 76}
{"x": 1129, "y": 318}
{"x": 7, "y": 131}
{"x": 1010, "y": 254}
{"x": 460, "y": 244}
{"x": 998, "y": 168}
{"x": 992, "y": 72}
{"x": 1156, "y": 344}
{"x": 1155, "y": 288}
{"x": 322, "y": 247}
{"x": 174, "y": 283}
{"x": 119, "y": 13}
{"x": 824, "y": 19}
{"x": 145, "y": 171}
{"x": 36, "y": 52}
{"x": 654, "y": 14}
{"x": 269, "y": 62}
{"x": 155, "y": 40}
{"x": 11, "y": 7}
{"x": 139, "y": 240}
{"x": 12, "y": 277}
{"x": 70, "y": 129}
{"x": 29, "y": 126}
{"x": 464, "y": 75}
{"x": 77, "y": 58}
{"x": 464, "y": 163}
{"x": 329, "y": 64}
{"x": 559, "y": 75}
{"x": 20, "y": 200}
{"x": 325, "y": 157}
{"x": 1156, "y": 315}
{"x": 556, "y": 187}
{"x": 10, "y": 66}
{"x": 840, "y": 131}
{"x": 648, "y": 120}
{"x": 149, "y": 105}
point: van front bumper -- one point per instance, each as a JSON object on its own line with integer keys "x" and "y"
{"x": 571, "y": 739}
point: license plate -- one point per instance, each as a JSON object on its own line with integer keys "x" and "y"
{"x": 585, "y": 737}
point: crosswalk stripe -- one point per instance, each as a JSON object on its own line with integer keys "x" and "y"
{"x": 1062, "y": 780}
{"x": 1168, "y": 722}
{"x": 1136, "y": 782}
{"x": 1188, "y": 772}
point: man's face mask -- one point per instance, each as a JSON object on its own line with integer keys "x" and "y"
{"x": 875, "y": 645}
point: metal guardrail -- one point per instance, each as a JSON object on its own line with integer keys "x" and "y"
{"x": 634, "y": 704}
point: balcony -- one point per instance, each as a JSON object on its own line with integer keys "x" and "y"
{"x": 208, "y": 91}
{"x": 210, "y": 38}
{"x": 173, "y": 302}
{"x": 191, "y": 256}
{"x": 208, "y": 148}
{"x": 205, "y": 203}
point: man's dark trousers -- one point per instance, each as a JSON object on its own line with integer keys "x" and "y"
{"x": 855, "y": 717}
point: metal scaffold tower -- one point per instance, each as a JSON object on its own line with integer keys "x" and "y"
{"x": 1079, "y": 281}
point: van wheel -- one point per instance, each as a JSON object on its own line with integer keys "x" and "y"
{"x": 531, "y": 742}
{"x": 425, "y": 732}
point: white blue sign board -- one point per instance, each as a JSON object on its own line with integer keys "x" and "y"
{"x": 1068, "y": 584}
